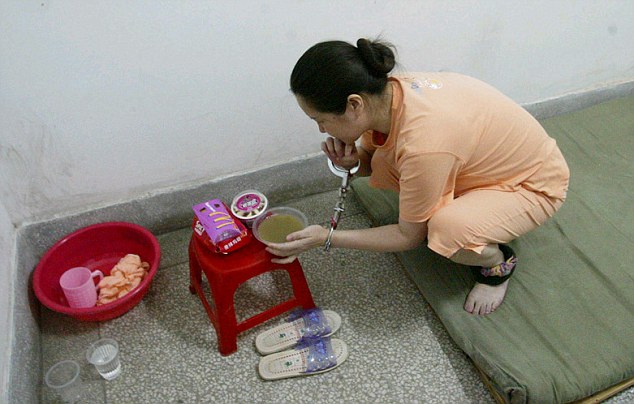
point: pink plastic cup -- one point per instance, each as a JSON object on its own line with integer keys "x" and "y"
{"x": 79, "y": 287}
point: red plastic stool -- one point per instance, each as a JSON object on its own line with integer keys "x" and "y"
{"x": 225, "y": 273}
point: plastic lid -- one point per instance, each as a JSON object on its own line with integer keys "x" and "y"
{"x": 249, "y": 204}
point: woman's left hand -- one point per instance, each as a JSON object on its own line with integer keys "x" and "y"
{"x": 298, "y": 242}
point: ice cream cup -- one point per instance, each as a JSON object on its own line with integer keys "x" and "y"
{"x": 248, "y": 206}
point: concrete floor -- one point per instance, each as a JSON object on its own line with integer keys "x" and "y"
{"x": 399, "y": 350}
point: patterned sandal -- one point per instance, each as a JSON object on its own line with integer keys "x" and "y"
{"x": 311, "y": 356}
{"x": 301, "y": 324}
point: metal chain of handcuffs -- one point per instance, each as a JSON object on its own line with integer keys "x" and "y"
{"x": 345, "y": 176}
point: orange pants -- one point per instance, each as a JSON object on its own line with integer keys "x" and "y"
{"x": 483, "y": 217}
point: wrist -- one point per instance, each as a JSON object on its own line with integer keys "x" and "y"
{"x": 355, "y": 167}
{"x": 339, "y": 169}
{"x": 328, "y": 242}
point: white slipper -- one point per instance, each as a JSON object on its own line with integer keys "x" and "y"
{"x": 307, "y": 323}
{"x": 319, "y": 356}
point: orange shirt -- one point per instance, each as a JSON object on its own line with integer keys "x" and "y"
{"x": 451, "y": 134}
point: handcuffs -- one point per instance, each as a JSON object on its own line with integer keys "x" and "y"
{"x": 345, "y": 176}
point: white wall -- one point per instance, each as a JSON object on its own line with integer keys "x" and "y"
{"x": 103, "y": 101}
{"x": 7, "y": 242}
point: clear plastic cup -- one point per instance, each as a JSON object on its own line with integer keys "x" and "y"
{"x": 104, "y": 354}
{"x": 64, "y": 378}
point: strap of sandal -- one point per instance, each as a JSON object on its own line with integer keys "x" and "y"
{"x": 321, "y": 356}
{"x": 315, "y": 322}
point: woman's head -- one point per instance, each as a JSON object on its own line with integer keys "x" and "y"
{"x": 329, "y": 72}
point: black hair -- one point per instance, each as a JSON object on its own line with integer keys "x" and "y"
{"x": 329, "y": 72}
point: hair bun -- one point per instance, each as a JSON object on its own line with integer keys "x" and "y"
{"x": 377, "y": 55}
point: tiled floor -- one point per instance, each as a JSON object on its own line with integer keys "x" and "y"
{"x": 399, "y": 351}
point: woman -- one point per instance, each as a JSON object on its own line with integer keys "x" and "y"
{"x": 472, "y": 168}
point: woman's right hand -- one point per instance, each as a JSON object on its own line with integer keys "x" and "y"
{"x": 343, "y": 155}
{"x": 298, "y": 242}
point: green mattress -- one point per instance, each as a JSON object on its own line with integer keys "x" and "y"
{"x": 566, "y": 328}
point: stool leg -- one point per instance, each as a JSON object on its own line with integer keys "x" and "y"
{"x": 300, "y": 285}
{"x": 226, "y": 324}
{"x": 195, "y": 271}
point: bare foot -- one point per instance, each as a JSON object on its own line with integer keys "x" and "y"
{"x": 484, "y": 299}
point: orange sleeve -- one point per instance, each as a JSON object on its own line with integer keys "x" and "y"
{"x": 426, "y": 184}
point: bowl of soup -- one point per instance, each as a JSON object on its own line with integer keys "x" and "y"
{"x": 277, "y": 223}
